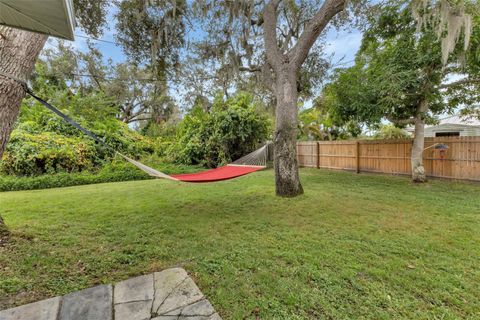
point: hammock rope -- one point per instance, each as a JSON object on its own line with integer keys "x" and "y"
{"x": 255, "y": 158}
{"x": 252, "y": 162}
{"x": 148, "y": 170}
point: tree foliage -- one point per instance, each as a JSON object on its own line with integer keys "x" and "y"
{"x": 229, "y": 130}
{"x": 396, "y": 68}
{"x": 152, "y": 31}
{"x": 233, "y": 41}
{"x": 137, "y": 99}
{"x": 152, "y": 34}
{"x": 316, "y": 123}
{"x": 450, "y": 20}
{"x": 129, "y": 90}
{"x": 389, "y": 131}
{"x": 91, "y": 15}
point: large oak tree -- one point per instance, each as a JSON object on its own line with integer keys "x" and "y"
{"x": 270, "y": 37}
{"x": 275, "y": 39}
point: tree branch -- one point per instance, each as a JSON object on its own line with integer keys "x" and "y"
{"x": 274, "y": 56}
{"x": 97, "y": 82}
{"x": 137, "y": 119}
{"x": 400, "y": 122}
{"x": 257, "y": 23}
{"x": 313, "y": 28}
{"x": 252, "y": 69}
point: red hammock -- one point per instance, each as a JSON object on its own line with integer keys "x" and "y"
{"x": 218, "y": 174}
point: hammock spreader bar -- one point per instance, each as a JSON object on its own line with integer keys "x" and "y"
{"x": 252, "y": 162}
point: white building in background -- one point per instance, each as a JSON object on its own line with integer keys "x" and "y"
{"x": 453, "y": 126}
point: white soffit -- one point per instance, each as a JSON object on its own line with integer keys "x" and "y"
{"x": 52, "y": 17}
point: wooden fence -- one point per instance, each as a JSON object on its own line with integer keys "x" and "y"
{"x": 460, "y": 161}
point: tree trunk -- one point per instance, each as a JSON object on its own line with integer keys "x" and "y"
{"x": 287, "y": 180}
{"x": 3, "y": 229}
{"x": 18, "y": 52}
{"x": 286, "y": 64}
{"x": 418, "y": 171}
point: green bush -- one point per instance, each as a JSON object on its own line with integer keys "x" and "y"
{"x": 42, "y": 143}
{"x": 116, "y": 171}
{"x": 35, "y": 154}
{"x": 389, "y": 131}
{"x": 12, "y": 183}
{"x": 36, "y": 119}
{"x": 228, "y": 131}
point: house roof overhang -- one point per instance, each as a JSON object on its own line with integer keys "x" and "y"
{"x": 51, "y": 17}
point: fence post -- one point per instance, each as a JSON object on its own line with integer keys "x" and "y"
{"x": 357, "y": 152}
{"x": 318, "y": 155}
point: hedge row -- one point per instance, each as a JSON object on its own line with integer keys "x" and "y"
{"x": 12, "y": 183}
{"x": 114, "y": 172}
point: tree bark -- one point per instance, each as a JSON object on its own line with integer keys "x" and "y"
{"x": 3, "y": 229}
{"x": 18, "y": 52}
{"x": 418, "y": 171}
{"x": 286, "y": 66}
{"x": 287, "y": 179}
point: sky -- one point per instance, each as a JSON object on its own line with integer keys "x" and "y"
{"x": 343, "y": 45}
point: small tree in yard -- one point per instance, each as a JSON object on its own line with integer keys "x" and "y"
{"x": 402, "y": 73}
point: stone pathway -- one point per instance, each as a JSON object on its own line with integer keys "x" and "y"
{"x": 167, "y": 295}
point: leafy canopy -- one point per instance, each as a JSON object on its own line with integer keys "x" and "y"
{"x": 397, "y": 69}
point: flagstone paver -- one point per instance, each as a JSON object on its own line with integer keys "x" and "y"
{"x": 133, "y": 298}
{"x": 135, "y": 310}
{"x": 166, "y": 281}
{"x": 166, "y": 295}
{"x": 176, "y": 291}
{"x": 89, "y": 304}
{"x": 41, "y": 310}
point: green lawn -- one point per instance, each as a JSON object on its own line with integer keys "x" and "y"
{"x": 354, "y": 246}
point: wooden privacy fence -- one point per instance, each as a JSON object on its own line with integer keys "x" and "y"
{"x": 460, "y": 161}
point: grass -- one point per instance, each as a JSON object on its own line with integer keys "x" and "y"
{"x": 354, "y": 246}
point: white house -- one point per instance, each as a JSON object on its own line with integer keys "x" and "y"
{"x": 453, "y": 126}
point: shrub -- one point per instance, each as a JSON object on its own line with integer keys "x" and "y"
{"x": 228, "y": 131}
{"x": 10, "y": 183}
{"x": 389, "y": 131}
{"x": 43, "y": 143}
{"x": 115, "y": 171}
{"x": 34, "y": 154}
